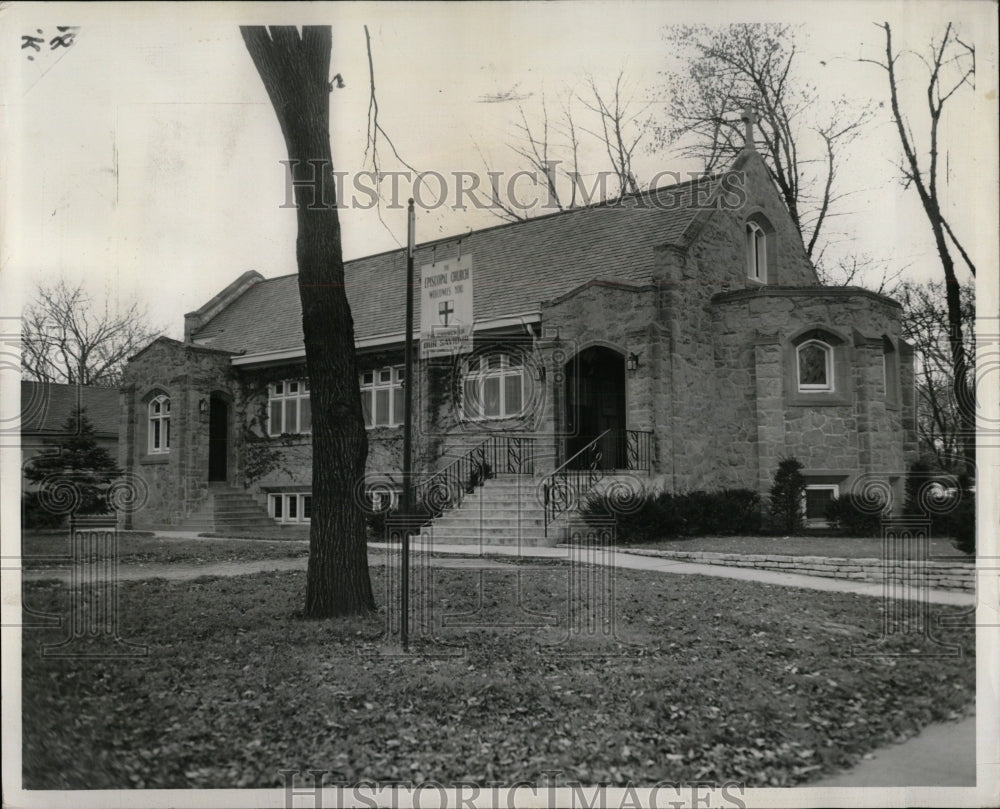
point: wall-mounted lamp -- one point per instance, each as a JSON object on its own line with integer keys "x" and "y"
{"x": 632, "y": 362}
{"x": 203, "y": 406}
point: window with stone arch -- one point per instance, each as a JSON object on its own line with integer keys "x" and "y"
{"x": 159, "y": 424}
{"x": 814, "y": 363}
{"x": 758, "y": 247}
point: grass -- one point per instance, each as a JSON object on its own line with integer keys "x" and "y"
{"x": 279, "y": 532}
{"x": 849, "y": 547}
{"x": 40, "y": 551}
{"x": 704, "y": 679}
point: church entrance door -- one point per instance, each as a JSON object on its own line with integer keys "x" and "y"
{"x": 595, "y": 405}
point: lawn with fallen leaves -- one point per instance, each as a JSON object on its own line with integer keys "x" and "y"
{"x": 40, "y": 551}
{"x": 701, "y": 678}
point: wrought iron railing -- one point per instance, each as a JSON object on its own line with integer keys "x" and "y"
{"x": 562, "y": 489}
{"x": 497, "y": 455}
{"x": 638, "y": 450}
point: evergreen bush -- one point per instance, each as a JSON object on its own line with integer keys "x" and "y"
{"x": 664, "y": 515}
{"x": 80, "y": 468}
{"x": 787, "y": 494}
{"x": 853, "y": 517}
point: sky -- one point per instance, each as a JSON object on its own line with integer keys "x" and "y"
{"x": 144, "y": 160}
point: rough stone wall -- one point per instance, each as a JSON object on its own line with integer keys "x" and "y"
{"x": 175, "y": 483}
{"x": 617, "y": 316}
{"x": 725, "y": 249}
{"x": 723, "y": 407}
{"x": 707, "y": 389}
{"x": 856, "y": 431}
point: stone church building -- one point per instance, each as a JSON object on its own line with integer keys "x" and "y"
{"x": 679, "y": 336}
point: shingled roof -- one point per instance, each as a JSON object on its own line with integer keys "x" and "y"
{"x": 46, "y": 406}
{"x": 516, "y": 267}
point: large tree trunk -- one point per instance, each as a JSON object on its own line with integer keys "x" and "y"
{"x": 295, "y": 71}
{"x": 965, "y": 394}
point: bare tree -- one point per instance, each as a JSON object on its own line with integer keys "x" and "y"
{"x": 618, "y": 133}
{"x": 859, "y": 269}
{"x": 926, "y": 326}
{"x": 722, "y": 71}
{"x": 295, "y": 70}
{"x": 951, "y": 65}
{"x": 549, "y": 149}
{"x": 68, "y": 337}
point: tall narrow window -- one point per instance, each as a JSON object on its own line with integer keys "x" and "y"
{"x": 382, "y": 396}
{"x": 756, "y": 252}
{"x": 815, "y": 366}
{"x": 890, "y": 372}
{"x": 159, "y": 424}
{"x": 289, "y": 408}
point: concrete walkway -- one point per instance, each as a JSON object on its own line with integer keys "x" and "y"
{"x": 941, "y": 755}
{"x": 623, "y": 559}
{"x": 473, "y": 556}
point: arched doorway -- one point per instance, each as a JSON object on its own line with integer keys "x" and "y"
{"x": 595, "y": 404}
{"x": 218, "y": 440}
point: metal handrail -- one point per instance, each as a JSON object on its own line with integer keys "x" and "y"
{"x": 447, "y": 487}
{"x": 638, "y": 450}
{"x": 563, "y": 473}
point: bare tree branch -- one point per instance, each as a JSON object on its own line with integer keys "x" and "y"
{"x": 723, "y": 70}
{"x": 546, "y": 148}
{"x": 66, "y": 338}
{"x": 949, "y": 55}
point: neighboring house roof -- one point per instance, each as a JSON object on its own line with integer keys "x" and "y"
{"x": 516, "y": 266}
{"x": 46, "y": 406}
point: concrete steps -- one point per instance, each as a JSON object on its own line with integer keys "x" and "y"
{"x": 508, "y": 510}
{"x": 505, "y": 510}
{"x": 227, "y": 510}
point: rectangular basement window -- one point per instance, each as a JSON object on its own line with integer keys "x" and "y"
{"x": 817, "y": 497}
{"x": 290, "y": 507}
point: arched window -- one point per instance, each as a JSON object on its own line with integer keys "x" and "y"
{"x": 814, "y": 360}
{"x": 159, "y": 424}
{"x": 756, "y": 251}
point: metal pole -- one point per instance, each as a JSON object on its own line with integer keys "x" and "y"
{"x": 404, "y": 607}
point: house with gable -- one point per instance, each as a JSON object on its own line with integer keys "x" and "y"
{"x": 679, "y": 336}
{"x": 46, "y": 409}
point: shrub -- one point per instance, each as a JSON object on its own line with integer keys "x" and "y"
{"x": 962, "y": 525}
{"x": 665, "y": 515}
{"x": 853, "y": 517}
{"x": 80, "y": 465}
{"x": 951, "y": 509}
{"x": 920, "y": 474}
{"x": 786, "y": 496}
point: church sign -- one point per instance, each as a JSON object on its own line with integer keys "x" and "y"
{"x": 446, "y": 308}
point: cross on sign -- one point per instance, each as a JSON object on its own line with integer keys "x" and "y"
{"x": 445, "y": 308}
